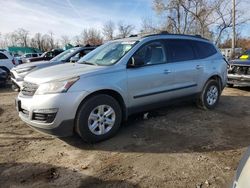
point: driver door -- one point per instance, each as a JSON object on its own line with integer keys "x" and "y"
{"x": 150, "y": 82}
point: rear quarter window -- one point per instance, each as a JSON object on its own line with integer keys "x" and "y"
{"x": 203, "y": 49}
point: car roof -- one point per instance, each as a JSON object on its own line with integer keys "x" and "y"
{"x": 163, "y": 36}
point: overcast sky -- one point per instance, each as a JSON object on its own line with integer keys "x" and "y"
{"x": 70, "y": 17}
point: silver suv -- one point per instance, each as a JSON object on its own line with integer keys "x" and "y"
{"x": 119, "y": 78}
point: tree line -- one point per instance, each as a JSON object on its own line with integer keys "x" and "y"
{"x": 92, "y": 36}
{"x": 211, "y": 19}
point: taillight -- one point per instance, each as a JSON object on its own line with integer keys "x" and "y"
{"x": 13, "y": 61}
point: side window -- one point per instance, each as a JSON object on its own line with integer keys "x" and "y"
{"x": 34, "y": 55}
{"x": 204, "y": 49}
{"x": 49, "y": 54}
{"x": 152, "y": 53}
{"x": 180, "y": 50}
{"x": 2, "y": 56}
{"x": 81, "y": 54}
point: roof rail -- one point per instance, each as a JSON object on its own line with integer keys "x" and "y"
{"x": 172, "y": 34}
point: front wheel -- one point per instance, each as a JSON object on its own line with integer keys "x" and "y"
{"x": 98, "y": 119}
{"x": 209, "y": 96}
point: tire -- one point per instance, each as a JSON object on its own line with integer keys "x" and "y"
{"x": 210, "y": 95}
{"x": 230, "y": 85}
{"x": 92, "y": 114}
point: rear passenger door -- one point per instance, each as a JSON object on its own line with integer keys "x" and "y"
{"x": 187, "y": 68}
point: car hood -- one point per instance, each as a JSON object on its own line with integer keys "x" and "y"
{"x": 25, "y": 65}
{"x": 62, "y": 71}
{"x": 240, "y": 62}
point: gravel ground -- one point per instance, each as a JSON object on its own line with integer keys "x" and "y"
{"x": 176, "y": 146}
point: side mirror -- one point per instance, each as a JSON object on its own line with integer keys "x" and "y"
{"x": 74, "y": 59}
{"x": 135, "y": 61}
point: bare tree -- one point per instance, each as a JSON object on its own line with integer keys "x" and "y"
{"x": 22, "y": 36}
{"x": 206, "y": 18}
{"x": 38, "y": 40}
{"x": 11, "y": 39}
{"x": 65, "y": 40}
{"x": 148, "y": 26}
{"x": 223, "y": 21}
{"x": 77, "y": 40}
{"x": 176, "y": 18}
{"x": 108, "y": 30}
{"x": 46, "y": 42}
{"x": 51, "y": 39}
{"x": 125, "y": 29}
{"x": 91, "y": 37}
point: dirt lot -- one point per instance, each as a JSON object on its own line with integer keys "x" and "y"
{"x": 178, "y": 146}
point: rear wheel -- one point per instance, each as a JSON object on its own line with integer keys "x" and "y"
{"x": 99, "y": 118}
{"x": 230, "y": 85}
{"x": 210, "y": 95}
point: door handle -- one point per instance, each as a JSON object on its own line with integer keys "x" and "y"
{"x": 167, "y": 71}
{"x": 199, "y": 67}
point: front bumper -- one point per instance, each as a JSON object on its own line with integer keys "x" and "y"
{"x": 240, "y": 80}
{"x": 66, "y": 105}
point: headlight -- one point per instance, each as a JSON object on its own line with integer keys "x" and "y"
{"x": 59, "y": 86}
{"x": 26, "y": 69}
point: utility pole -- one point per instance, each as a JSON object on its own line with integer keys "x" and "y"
{"x": 233, "y": 37}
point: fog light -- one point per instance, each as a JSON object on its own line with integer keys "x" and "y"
{"x": 44, "y": 115}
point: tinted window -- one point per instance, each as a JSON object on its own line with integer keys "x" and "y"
{"x": 180, "y": 50}
{"x": 34, "y": 55}
{"x": 152, "y": 53}
{"x": 49, "y": 54}
{"x": 203, "y": 49}
{"x": 2, "y": 56}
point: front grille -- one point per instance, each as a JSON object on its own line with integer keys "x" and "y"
{"x": 240, "y": 70}
{"x": 29, "y": 89}
{"x": 44, "y": 117}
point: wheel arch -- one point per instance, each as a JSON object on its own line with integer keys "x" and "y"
{"x": 116, "y": 95}
{"x": 218, "y": 79}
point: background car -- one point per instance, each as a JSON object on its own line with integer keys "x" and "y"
{"x": 7, "y": 62}
{"x": 239, "y": 73}
{"x": 71, "y": 55}
{"x": 245, "y": 55}
{"x": 3, "y": 77}
{"x": 45, "y": 56}
{"x": 23, "y": 58}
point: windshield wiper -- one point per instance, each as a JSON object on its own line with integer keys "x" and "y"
{"x": 89, "y": 63}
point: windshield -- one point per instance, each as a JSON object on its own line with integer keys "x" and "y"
{"x": 247, "y": 52}
{"x": 64, "y": 55}
{"x": 108, "y": 54}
